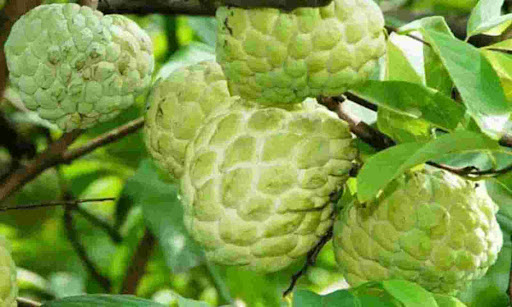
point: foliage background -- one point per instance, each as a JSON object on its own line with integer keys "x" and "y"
{"x": 48, "y": 265}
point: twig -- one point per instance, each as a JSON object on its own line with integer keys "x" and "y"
{"x": 57, "y": 153}
{"x": 393, "y": 29}
{"x": 80, "y": 250}
{"x": 310, "y": 260}
{"x": 57, "y": 203}
{"x": 365, "y": 132}
{"x": 139, "y": 261}
{"x": 114, "y": 235}
{"x": 104, "y": 139}
{"x": 25, "y": 302}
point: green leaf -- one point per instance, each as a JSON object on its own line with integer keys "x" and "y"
{"x": 447, "y": 301}
{"x": 402, "y": 128}
{"x": 205, "y": 28}
{"x": 339, "y": 298}
{"x": 502, "y": 63}
{"x": 436, "y": 75}
{"x": 186, "y": 302}
{"x": 434, "y": 23}
{"x": 101, "y": 300}
{"x": 413, "y": 100}
{"x": 476, "y": 80}
{"x": 302, "y": 298}
{"x": 386, "y": 165}
{"x": 373, "y": 294}
{"x": 409, "y": 293}
{"x": 485, "y": 16}
{"x": 164, "y": 215}
{"x": 399, "y": 66}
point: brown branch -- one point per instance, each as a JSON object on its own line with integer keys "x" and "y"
{"x": 57, "y": 203}
{"x": 57, "y": 153}
{"x": 49, "y": 158}
{"x": 365, "y": 132}
{"x": 80, "y": 250}
{"x": 196, "y": 7}
{"x": 24, "y": 302}
{"x": 310, "y": 261}
{"x": 139, "y": 261}
{"x": 109, "y": 137}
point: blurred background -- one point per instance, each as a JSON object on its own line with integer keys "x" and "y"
{"x": 146, "y": 213}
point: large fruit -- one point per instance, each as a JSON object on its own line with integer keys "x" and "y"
{"x": 76, "y": 67}
{"x": 430, "y": 227}
{"x": 178, "y": 106}
{"x": 258, "y": 181}
{"x": 276, "y": 57}
{"x": 8, "y": 286}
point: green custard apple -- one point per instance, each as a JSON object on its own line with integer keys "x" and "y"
{"x": 178, "y": 106}
{"x": 430, "y": 227}
{"x": 8, "y": 286}
{"x": 76, "y": 67}
{"x": 258, "y": 181}
{"x": 275, "y": 57}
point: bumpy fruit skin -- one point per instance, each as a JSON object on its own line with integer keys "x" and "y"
{"x": 430, "y": 227}
{"x": 76, "y": 67}
{"x": 8, "y": 286}
{"x": 178, "y": 106}
{"x": 275, "y": 57}
{"x": 257, "y": 183}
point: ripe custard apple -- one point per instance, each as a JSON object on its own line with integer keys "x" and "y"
{"x": 76, "y": 67}
{"x": 8, "y": 286}
{"x": 275, "y": 57}
{"x": 178, "y": 106}
{"x": 430, "y": 227}
{"x": 257, "y": 183}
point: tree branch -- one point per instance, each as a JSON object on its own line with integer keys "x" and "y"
{"x": 58, "y": 153}
{"x": 310, "y": 260}
{"x": 196, "y": 7}
{"x": 107, "y": 138}
{"x": 139, "y": 262}
{"x": 49, "y": 158}
{"x": 80, "y": 250}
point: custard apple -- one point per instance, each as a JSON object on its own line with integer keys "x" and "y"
{"x": 258, "y": 181}
{"x": 275, "y": 57}
{"x": 430, "y": 227}
{"x": 76, "y": 67}
{"x": 178, "y": 106}
{"x": 8, "y": 286}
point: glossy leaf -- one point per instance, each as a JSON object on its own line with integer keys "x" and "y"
{"x": 386, "y": 165}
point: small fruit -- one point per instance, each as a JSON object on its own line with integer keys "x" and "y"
{"x": 258, "y": 181}
{"x": 275, "y": 57}
{"x": 178, "y": 106}
{"x": 76, "y": 67}
{"x": 430, "y": 227}
{"x": 8, "y": 286}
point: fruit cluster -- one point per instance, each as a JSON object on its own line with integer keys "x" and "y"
{"x": 259, "y": 165}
